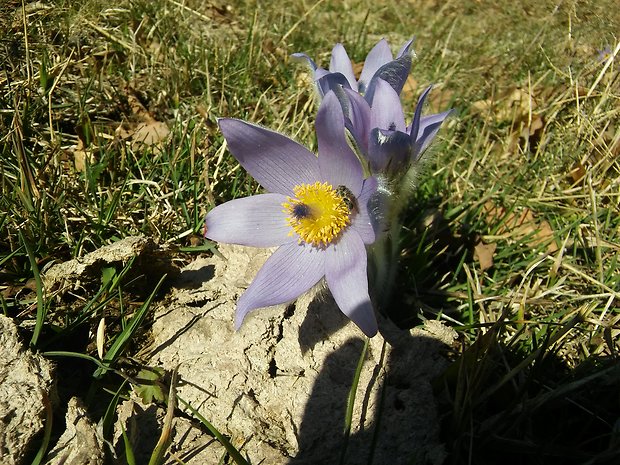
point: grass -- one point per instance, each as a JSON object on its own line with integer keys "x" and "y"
{"x": 529, "y": 166}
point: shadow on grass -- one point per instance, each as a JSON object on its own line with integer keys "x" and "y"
{"x": 500, "y": 404}
{"x": 432, "y": 257}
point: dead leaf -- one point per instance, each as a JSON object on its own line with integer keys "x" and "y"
{"x": 533, "y": 130}
{"x": 509, "y": 106}
{"x": 544, "y": 235}
{"x": 145, "y": 130}
{"x": 137, "y": 108}
{"x": 410, "y": 89}
{"x": 526, "y": 133}
{"x": 150, "y": 133}
{"x": 438, "y": 100}
{"x": 82, "y": 157}
{"x": 521, "y": 225}
{"x": 484, "y": 254}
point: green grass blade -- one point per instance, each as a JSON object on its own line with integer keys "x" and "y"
{"x": 4, "y": 305}
{"x": 232, "y": 451}
{"x": 348, "y": 419}
{"x": 157, "y": 457}
{"x": 41, "y": 308}
{"x": 125, "y": 336}
{"x": 110, "y": 413}
{"x": 62, "y": 353}
{"x": 93, "y": 305}
{"x": 6, "y": 258}
{"x": 379, "y": 372}
{"x": 131, "y": 460}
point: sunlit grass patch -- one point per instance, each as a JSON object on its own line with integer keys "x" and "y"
{"x": 534, "y": 174}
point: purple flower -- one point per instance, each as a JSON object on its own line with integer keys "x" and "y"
{"x": 604, "y": 54}
{"x": 379, "y": 129}
{"x": 379, "y": 64}
{"x": 316, "y": 211}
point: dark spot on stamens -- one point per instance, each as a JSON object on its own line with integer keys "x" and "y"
{"x": 301, "y": 210}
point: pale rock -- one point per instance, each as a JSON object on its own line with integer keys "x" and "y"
{"x": 279, "y": 385}
{"x": 26, "y": 386}
{"x": 81, "y": 443}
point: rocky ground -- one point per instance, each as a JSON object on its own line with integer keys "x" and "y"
{"x": 278, "y": 386}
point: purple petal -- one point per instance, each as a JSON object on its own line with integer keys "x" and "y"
{"x": 275, "y": 161}
{"x": 406, "y": 48}
{"x": 394, "y": 73}
{"x": 429, "y": 126}
{"x": 389, "y": 150}
{"x": 257, "y": 221}
{"x": 356, "y": 116}
{"x": 415, "y": 123}
{"x": 340, "y": 63}
{"x": 345, "y": 272}
{"x": 339, "y": 164}
{"x": 377, "y": 57}
{"x": 364, "y": 222}
{"x": 330, "y": 81}
{"x": 292, "y": 270}
{"x": 303, "y": 56}
{"x": 319, "y": 73}
{"x": 387, "y": 112}
{"x": 358, "y": 119}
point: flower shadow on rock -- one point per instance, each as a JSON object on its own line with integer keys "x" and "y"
{"x": 260, "y": 383}
{"x": 192, "y": 279}
{"x": 328, "y": 322}
{"x": 408, "y": 423}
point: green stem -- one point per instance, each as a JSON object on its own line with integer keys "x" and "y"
{"x": 348, "y": 420}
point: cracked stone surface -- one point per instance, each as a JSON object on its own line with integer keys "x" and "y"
{"x": 77, "y": 273}
{"x": 279, "y": 385}
{"x": 81, "y": 443}
{"x": 25, "y": 389}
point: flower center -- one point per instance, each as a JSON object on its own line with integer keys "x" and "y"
{"x": 318, "y": 212}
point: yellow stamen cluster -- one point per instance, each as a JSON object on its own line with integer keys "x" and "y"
{"x": 317, "y": 213}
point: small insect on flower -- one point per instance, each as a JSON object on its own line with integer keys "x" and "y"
{"x": 301, "y": 211}
{"x": 347, "y": 197}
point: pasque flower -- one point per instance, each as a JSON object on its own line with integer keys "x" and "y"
{"x": 380, "y": 131}
{"x": 379, "y": 64}
{"x": 316, "y": 211}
